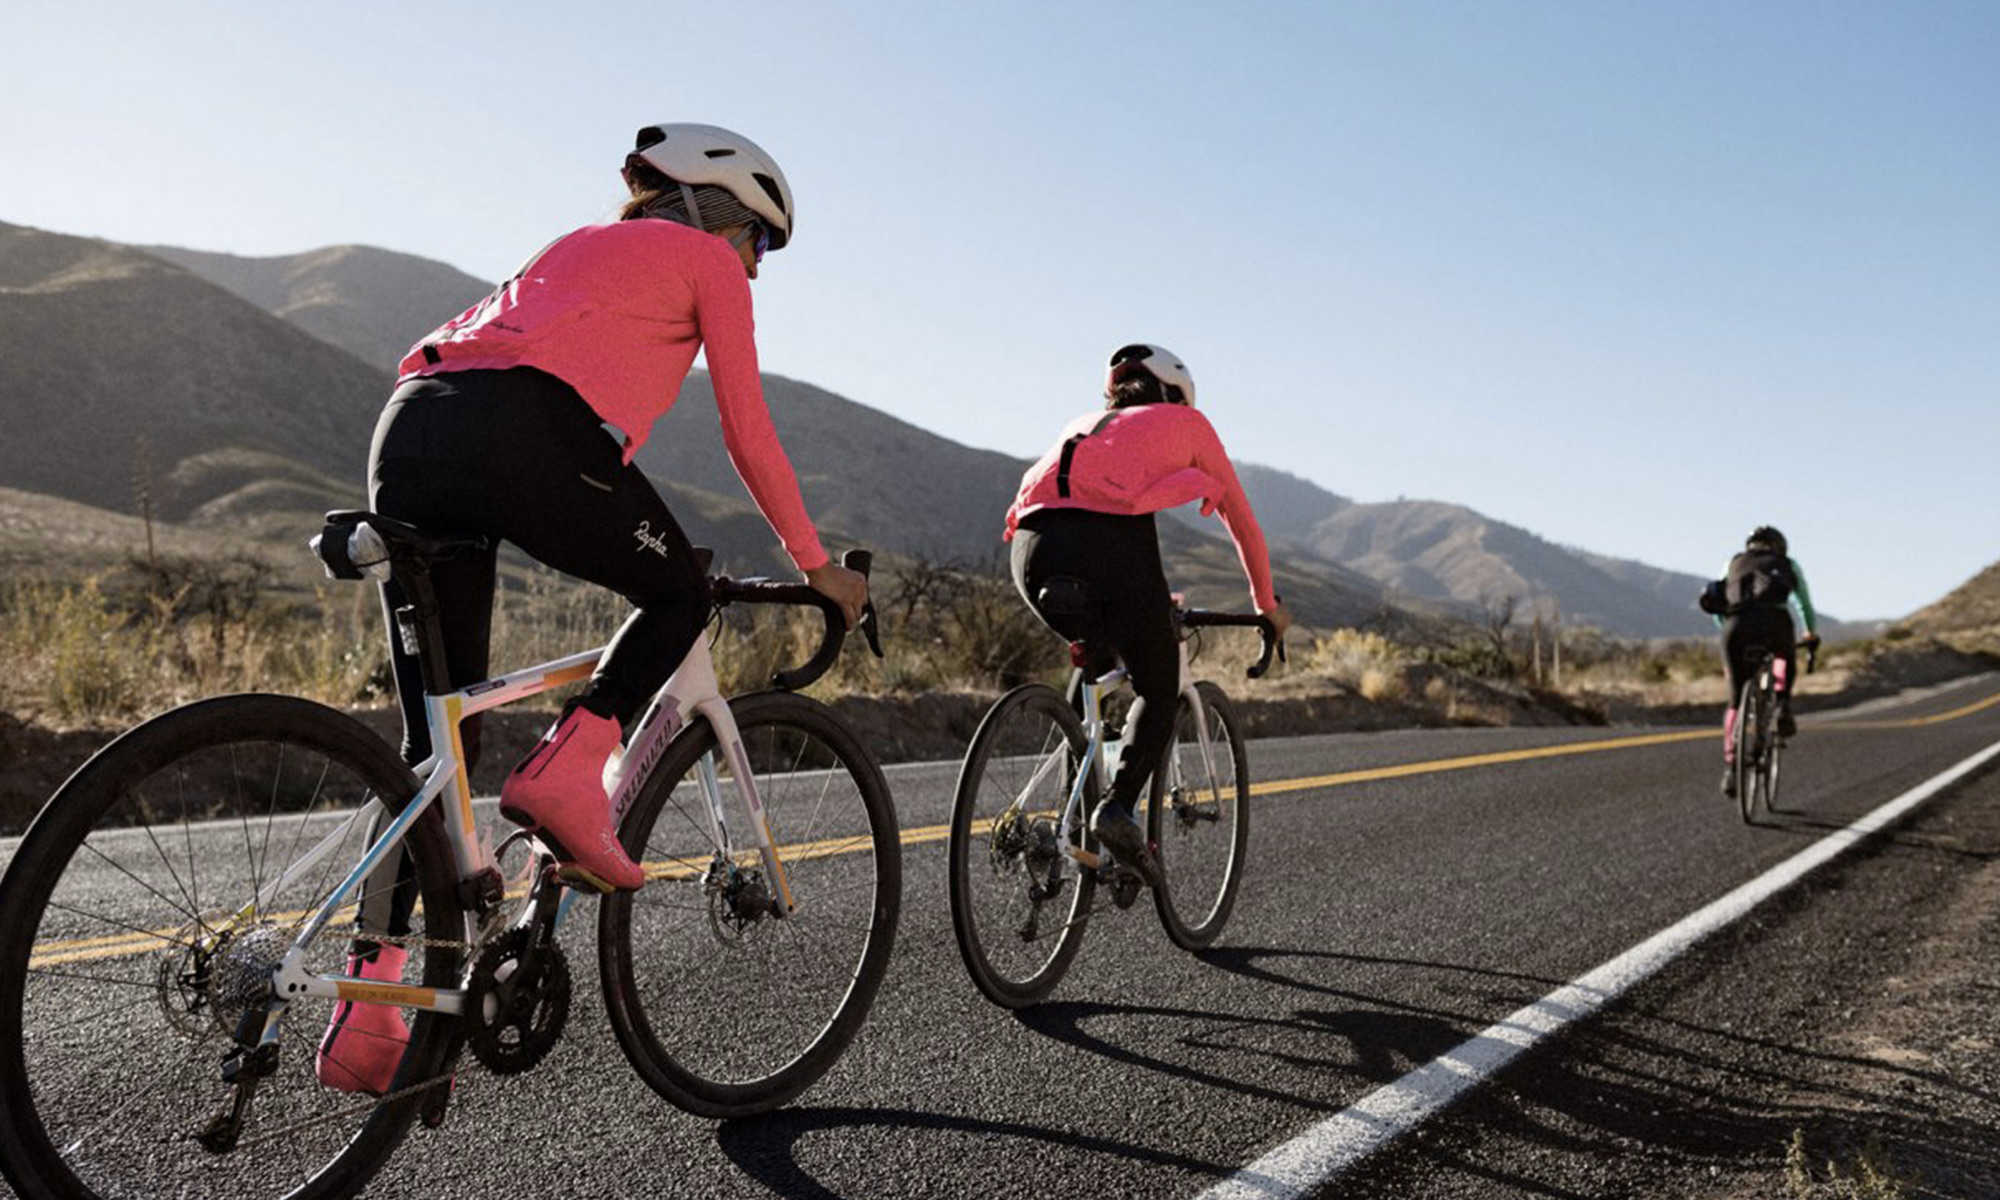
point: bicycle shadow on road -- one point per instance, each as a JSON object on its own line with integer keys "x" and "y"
{"x": 1369, "y": 1039}
{"x": 1799, "y": 821}
{"x": 766, "y": 1147}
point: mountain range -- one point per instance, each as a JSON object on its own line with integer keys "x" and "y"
{"x": 228, "y": 393}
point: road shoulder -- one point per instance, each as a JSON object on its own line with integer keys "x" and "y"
{"x": 1819, "y": 1017}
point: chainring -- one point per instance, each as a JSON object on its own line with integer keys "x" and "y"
{"x": 518, "y": 1005}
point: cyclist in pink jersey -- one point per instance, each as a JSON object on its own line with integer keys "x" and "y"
{"x": 1086, "y": 555}
{"x": 502, "y": 423}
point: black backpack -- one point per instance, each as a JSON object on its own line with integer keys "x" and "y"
{"x": 1758, "y": 577}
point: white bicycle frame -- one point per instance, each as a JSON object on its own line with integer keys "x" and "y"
{"x": 692, "y": 690}
{"x": 1105, "y": 764}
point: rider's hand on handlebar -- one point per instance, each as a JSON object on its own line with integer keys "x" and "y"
{"x": 1279, "y": 616}
{"x": 849, "y": 589}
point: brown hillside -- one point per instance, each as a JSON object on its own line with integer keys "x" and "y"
{"x": 1439, "y": 551}
{"x": 1973, "y": 606}
{"x": 114, "y": 364}
{"x": 371, "y": 303}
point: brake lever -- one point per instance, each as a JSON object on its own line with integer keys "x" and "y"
{"x": 871, "y": 629}
{"x": 860, "y": 560}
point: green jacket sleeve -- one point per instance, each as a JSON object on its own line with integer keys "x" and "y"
{"x": 1802, "y": 597}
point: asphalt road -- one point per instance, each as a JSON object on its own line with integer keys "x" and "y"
{"x": 1406, "y": 891}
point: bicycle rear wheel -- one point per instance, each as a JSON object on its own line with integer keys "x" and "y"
{"x": 1018, "y": 904}
{"x": 1199, "y": 820}
{"x": 140, "y": 919}
{"x": 723, "y": 1006}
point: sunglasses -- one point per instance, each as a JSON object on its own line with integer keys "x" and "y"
{"x": 761, "y": 243}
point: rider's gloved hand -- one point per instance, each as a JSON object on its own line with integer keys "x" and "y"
{"x": 849, "y": 589}
{"x": 1279, "y": 616}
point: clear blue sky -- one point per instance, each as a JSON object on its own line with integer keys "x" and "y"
{"x": 1635, "y": 276}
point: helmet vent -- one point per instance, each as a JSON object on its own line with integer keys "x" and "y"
{"x": 770, "y": 187}
{"x": 720, "y": 152}
{"x": 650, "y": 136}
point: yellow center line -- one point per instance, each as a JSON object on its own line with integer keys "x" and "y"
{"x": 1469, "y": 761}
{"x": 1913, "y": 722}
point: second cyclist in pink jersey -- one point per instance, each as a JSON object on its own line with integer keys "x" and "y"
{"x": 1086, "y": 555}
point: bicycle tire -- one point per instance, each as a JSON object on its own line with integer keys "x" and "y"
{"x": 995, "y": 913}
{"x": 1767, "y": 774}
{"x": 726, "y": 1054}
{"x": 118, "y": 1061}
{"x": 1745, "y": 764}
{"x": 1200, "y": 825}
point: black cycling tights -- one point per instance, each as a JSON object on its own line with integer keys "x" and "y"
{"x": 518, "y": 455}
{"x": 1763, "y": 625}
{"x": 1123, "y": 611}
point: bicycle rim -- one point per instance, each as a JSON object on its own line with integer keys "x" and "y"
{"x": 721, "y": 1006}
{"x": 141, "y": 917}
{"x": 1199, "y": 821}
{"x": 1745, "y": 764}
{"x": 1018, "y": 905}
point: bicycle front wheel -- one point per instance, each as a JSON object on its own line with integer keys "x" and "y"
{"x": 1018, "y": 903}
{"x": 725, "y": 1002}
{"x": 1748, "y": 719}
{"x": 141, "y": 919}
{"x": 1199, "y": 820}
{"x": 1767, "y": 779}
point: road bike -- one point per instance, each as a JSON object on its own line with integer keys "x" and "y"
{"x": 175, "y": 926}
{"x": 1759, "y": 745}
{"x": 1024, "y": 867}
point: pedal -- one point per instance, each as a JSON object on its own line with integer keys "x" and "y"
{"x": 482, "y": 891}
{"x": 1125, "y": 887}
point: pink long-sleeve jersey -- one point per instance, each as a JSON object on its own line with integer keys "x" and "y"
{"x": 618, "y": 312}
{"x": 1143, "y": 459}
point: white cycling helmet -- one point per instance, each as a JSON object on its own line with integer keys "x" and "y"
{"x": 1162, "y": 364}
{"x": 694, "y": 155}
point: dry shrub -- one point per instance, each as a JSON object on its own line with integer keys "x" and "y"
{"x": 1359, "y": 659}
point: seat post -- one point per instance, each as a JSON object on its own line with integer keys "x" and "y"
{"x": 418, "y": 626}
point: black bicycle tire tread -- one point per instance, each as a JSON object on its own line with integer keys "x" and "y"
{"x": 1004, "y": 992}
{"x": 1195, "y": 938}
{"x": 682, "y": 1087}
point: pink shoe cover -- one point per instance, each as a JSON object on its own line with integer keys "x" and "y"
{"x": 364, "y": 1042}
{"x": 558, "y": 792}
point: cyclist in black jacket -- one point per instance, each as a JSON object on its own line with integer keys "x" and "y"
{"x": 1753, "y": 602}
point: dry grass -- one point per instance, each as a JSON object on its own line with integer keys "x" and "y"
{"x": 1867, "y": 1175}
{"x": 98, "y": 651}
{"x": 141, "y": 638}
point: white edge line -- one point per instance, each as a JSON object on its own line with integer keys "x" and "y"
{"x": 1314, "y": 1157}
